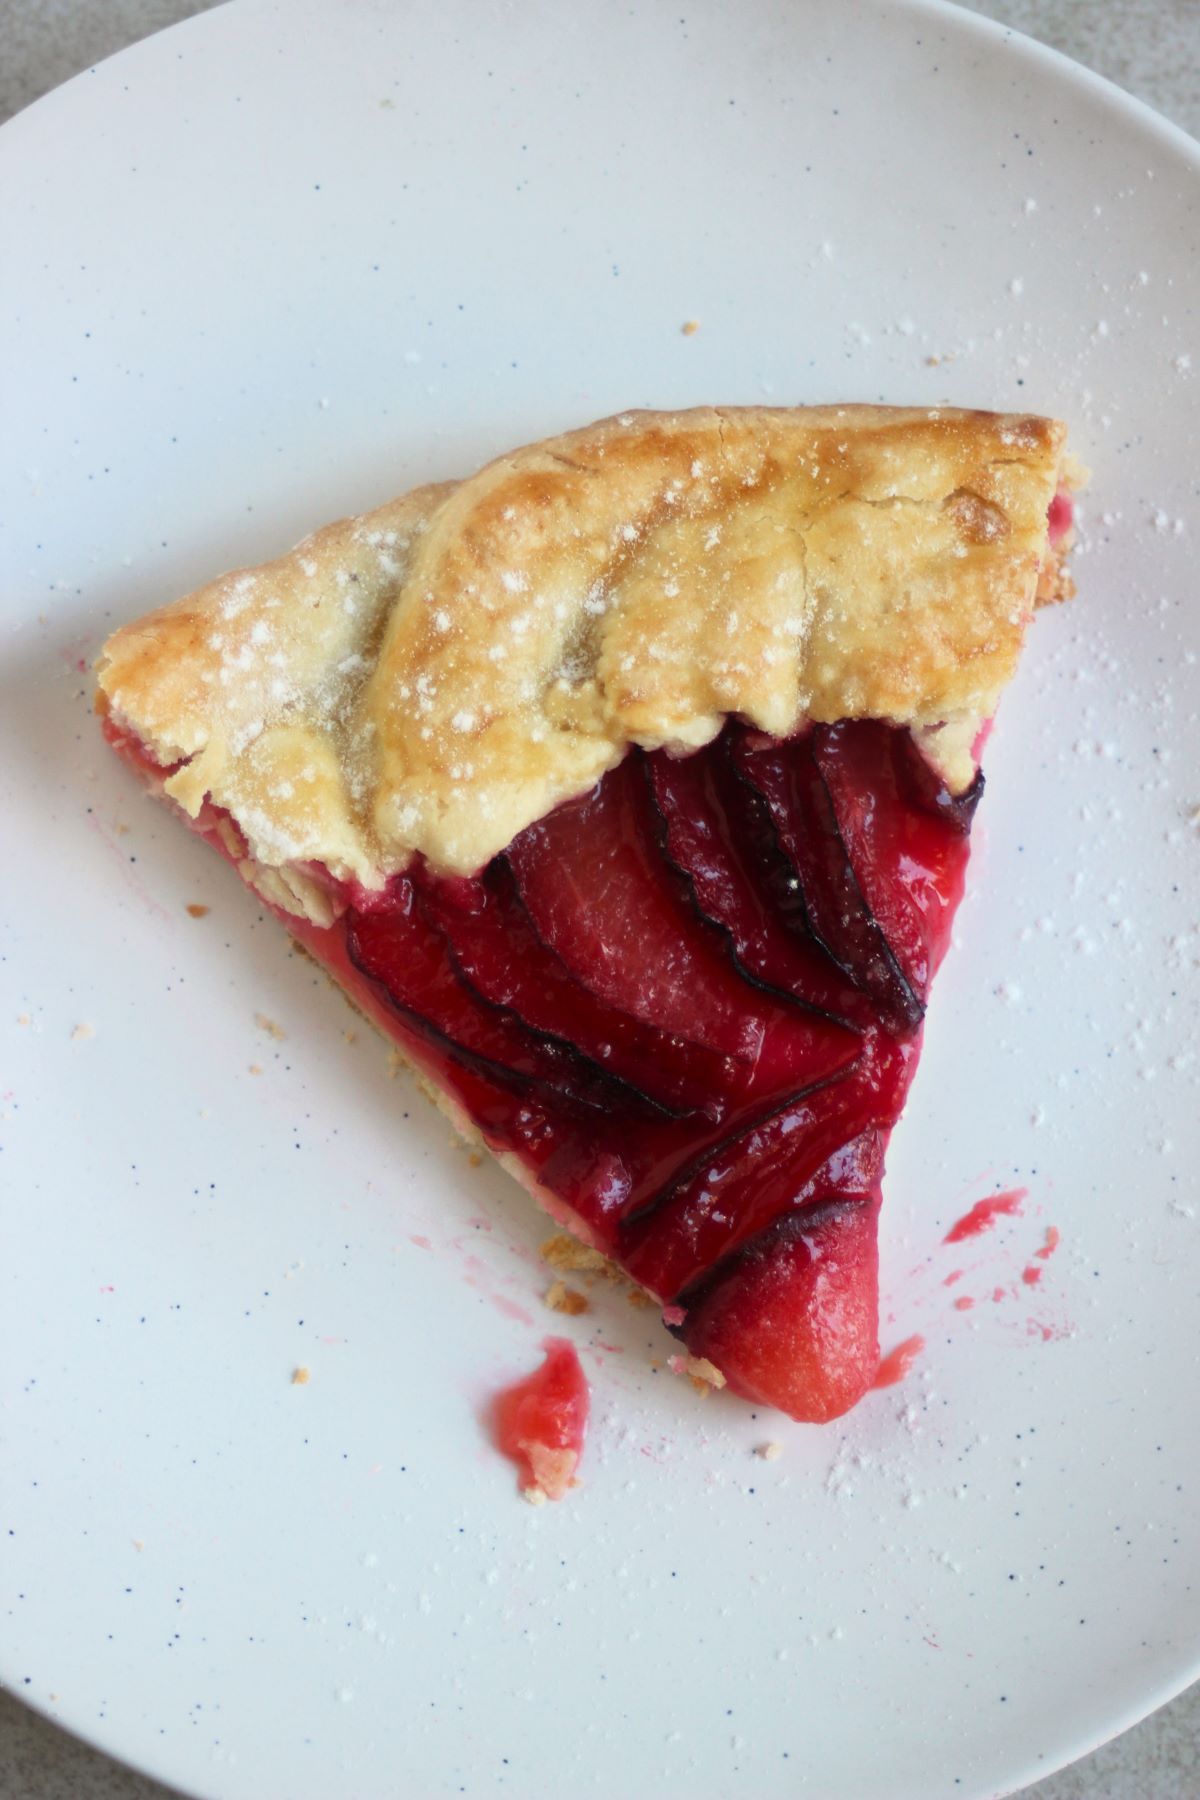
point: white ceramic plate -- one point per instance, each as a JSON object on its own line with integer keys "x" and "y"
{"x": 274, "y": 266}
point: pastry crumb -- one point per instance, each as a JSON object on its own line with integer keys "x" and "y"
{"x": 82, "y": 1032}
{"x": 197, "y": 910}
{"x": 270, "y": 1027}
{"x": 350, "y": 1037}
{"x": 690, "y": 327}
{"x": 395, "y": 1064}
{"x": 138, "y": 1543}
{"x": 301, "y": 1376}
{"x": 562, "y": 1299}
{"x": 254, "y": 1069}
{"x": 24, "y": 1019}
{"x": 770, "y": 1452}
{"x": 535, "y": 1495}
{"x": 553, "y": 1470}
{"x": 702, "y": 1374}
{"x": 570, "y": 1257}
{"x": 566, "y": 1253}
{"x": 475, "y": 1158}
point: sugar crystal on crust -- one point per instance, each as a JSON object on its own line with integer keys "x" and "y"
{"x": 438, "y": 674}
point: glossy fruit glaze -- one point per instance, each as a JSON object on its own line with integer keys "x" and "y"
{"x": 687, "y": 1008}
{"x": 541, "y": 1422}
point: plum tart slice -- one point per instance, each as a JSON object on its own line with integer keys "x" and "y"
{"x": 627, "y": 786}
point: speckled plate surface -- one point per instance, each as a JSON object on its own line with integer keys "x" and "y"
{"x": 275, "y": 266}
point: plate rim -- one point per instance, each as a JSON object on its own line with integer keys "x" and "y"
{"x": 1169, "y": 136}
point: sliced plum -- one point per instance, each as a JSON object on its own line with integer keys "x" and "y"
{"x": 826, "y": 899}
{"x": 593, "y": 881}
{"x": 516, "y": 1114}
{"x": 905, "y": 843}
{"x": 498, "y": 951}
{"x": 653, "y": 940}
{"x": 833, "y": 1133}
{"x": 726, "y": 854}
{"x": 792, "y": 1321}
{"x": 924, "y": 788}
{"x": 599, "y": 892}
{"x": 396, "y": 947}
{"x": 737, "y": 1190}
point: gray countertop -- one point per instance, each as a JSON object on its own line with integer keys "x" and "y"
{"x": 1152, "y": 48}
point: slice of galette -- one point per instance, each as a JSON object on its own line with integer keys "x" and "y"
{"x": 627, "y": 787}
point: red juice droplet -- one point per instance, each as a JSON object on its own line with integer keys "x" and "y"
{"x": 984, "y": 1213}
{"x": 897, "y": 1363}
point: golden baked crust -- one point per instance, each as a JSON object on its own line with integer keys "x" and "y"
{"x": 439, "y": 673}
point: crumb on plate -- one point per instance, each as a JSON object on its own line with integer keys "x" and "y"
{"x": 566, "y": 1253}
{"x": 702, "y": 1374}
{"x": 562, "y": 1299}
